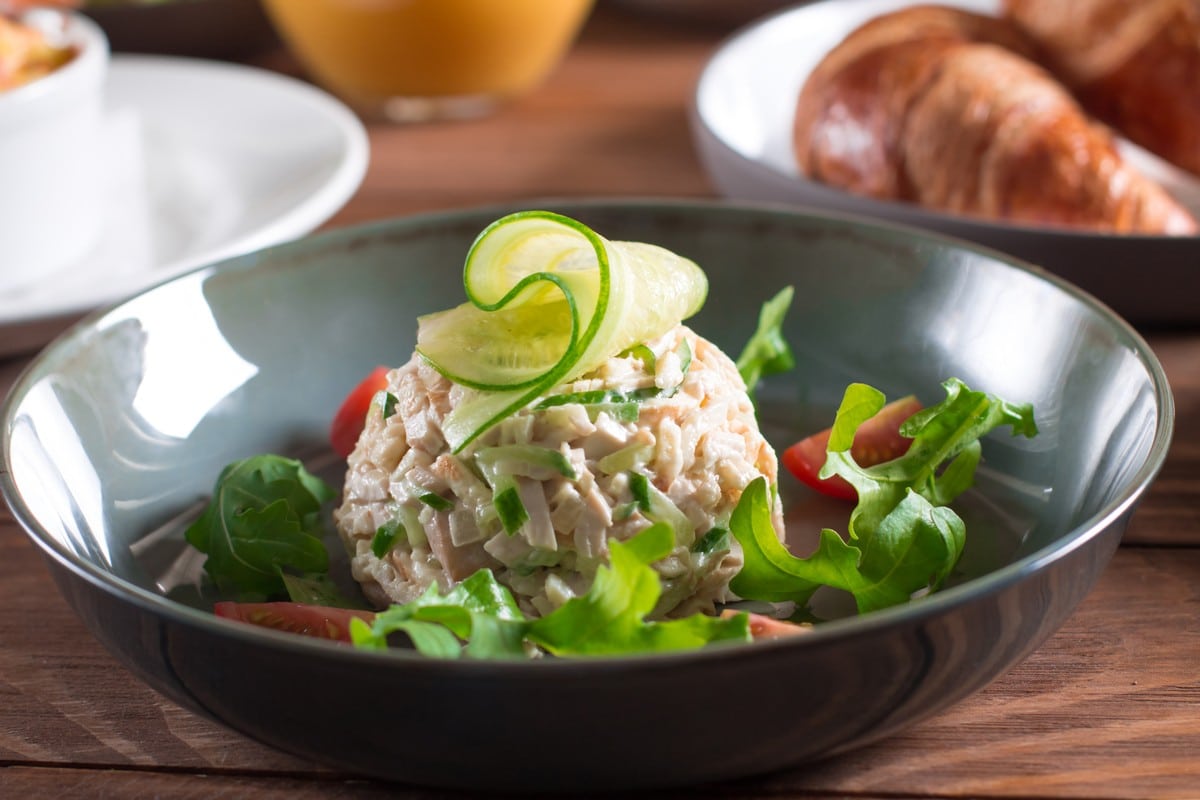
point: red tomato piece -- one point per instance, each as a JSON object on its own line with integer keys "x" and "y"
{"x": 323, "y": 622}
{"x": 350, "y": 418}
{"x": 764, "y": 627}
{"x": 876, "y": 440}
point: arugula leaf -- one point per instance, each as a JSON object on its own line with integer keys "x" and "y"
{"x": 902, "y": 536}
{"x": 608, "y": 620}
{"x": 939, "y": 464}
{"x": 767, "y": 352}
{"x": 315, "y": 589}
{"x": 264, "y": 517}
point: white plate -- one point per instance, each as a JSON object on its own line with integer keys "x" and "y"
{"x": 204, "y": 160}
{"x": 742, "y": 124}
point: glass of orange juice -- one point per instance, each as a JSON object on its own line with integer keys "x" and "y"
{"x": 420, "y": 60}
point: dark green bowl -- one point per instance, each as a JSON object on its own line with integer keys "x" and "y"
{"x": 119, "y": 427}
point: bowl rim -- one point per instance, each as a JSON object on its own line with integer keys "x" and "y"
{"x": 913, "y": 613}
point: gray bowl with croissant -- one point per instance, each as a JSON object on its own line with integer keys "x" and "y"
{"x": 1062, "y": 133}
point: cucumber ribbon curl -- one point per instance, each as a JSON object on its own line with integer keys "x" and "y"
{"x": 549, "y": 300}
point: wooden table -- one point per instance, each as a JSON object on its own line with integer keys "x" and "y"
{"x": 1108, "y": 708}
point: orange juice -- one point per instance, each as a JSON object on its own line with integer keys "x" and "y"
{"x": 375, "y": 51}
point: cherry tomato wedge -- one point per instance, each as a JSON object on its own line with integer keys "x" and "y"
{"x": 764, "y": 627}
{"x": 876, "y": 440}
{"x": 350, "y": 418}
{"x": 323, "y": 622}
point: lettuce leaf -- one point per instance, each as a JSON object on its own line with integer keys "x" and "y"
{"x": 479, "y": 610}
{"x": 902, "y": 536}
{"x": 608, "y": 620}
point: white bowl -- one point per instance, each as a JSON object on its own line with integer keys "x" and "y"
{"x": 49, "y": 159}
{"x": 741, "y": 119}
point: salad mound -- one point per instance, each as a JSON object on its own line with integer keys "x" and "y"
{"x": 662, "y": 433}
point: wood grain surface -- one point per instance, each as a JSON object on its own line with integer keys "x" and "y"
{"x": 1107, "y": 708}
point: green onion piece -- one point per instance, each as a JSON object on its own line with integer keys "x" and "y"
{"x": 684, "y": 351}
{"x": 645, "y": 355}
{"x": 639, "y": 487}
{"x": 436, "y": 501}
{"x": 509, "y": 507}
{"x": 621, "y": 406}
{"x": 597, "y": 397}
{"x": 407, "y": 516}
{"x": 386, "y": 402}
{"x": 685, "y": 356}
{"x": 386, "y": 537}
{"x": 715, "y": 540}
{"x": 657, "y": 507}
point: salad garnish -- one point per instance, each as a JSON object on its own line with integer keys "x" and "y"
{"x": 263, "y": 521}
{"x": 610, "y": 619}
{"x": 549, "y": 299}
{"x": 767, "y": 351}
{"x": 903, "y": 537}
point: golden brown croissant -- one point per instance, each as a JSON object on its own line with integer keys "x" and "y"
{"x": 937, "y": 106}
{"x": 1133, "y": 63}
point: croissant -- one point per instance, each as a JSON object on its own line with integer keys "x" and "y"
{"x": 947, "y": 109}
{"x": 1133, "y": 63}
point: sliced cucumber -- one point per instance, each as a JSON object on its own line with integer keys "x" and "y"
{"x": 507, "y": 500}
{"x": 657, "y": 507}
{"x": 627, "y": 458}
{"x": 549, "y": 300}
{"x": 523, "y": 459}
{"x": 500, "y": 464}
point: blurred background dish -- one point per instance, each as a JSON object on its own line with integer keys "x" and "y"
{"x": 742, "y": 116}
{"x": 724, "y": 13}
{"x": 194, "y": 170}
{"x": 50, "y": 120}
{"x": 201, "y": 28}
{"x": 422, "y": 60}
